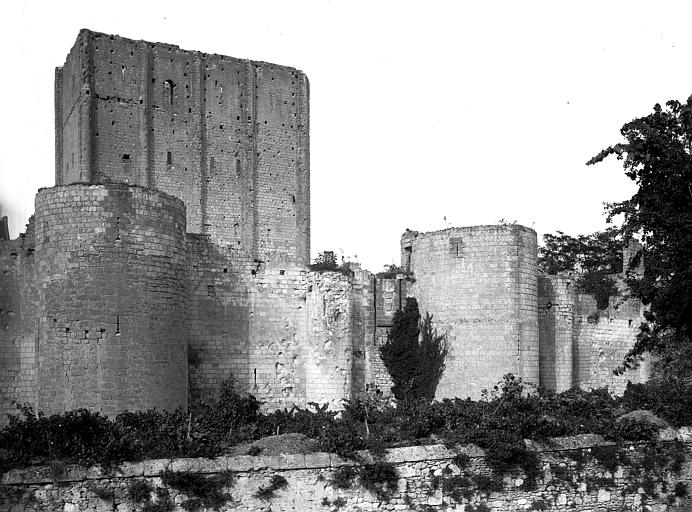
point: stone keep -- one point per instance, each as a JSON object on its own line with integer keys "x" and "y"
{"x": 172, "y": 253}
{"x": 229, "y": 137}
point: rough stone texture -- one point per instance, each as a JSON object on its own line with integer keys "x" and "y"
{"x": 112, "y": 301}
{"x": 309, "y": 477}
{"x": 172, "y": 254}
{"x": 555, "y": 331}
{"x": 580, "y": 345}
{"x": 227, "y": 136}
{"x": 480, "y": 285}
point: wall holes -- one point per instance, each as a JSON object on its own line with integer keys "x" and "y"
{"x": 282, "y": 272}
{"x": 126, "y": 158}
{"x": 629, "y": 323}
{"x": 225, "y": 271}
{"x": 254, "y": 372}
{"x": 253, "y": 272}
{"x": 293, "y": 198}
{"x": 211, "y": 290}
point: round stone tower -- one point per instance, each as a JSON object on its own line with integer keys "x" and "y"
{"x": 480, "y": 285}
{"x": 112, "y": 330}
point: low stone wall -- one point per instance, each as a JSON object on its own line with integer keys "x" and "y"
{"x": 425, "y": 482}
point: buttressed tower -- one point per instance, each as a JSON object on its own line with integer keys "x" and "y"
{"x": 227, "y": 136}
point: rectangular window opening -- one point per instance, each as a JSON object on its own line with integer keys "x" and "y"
{"x": 169, "y": 158}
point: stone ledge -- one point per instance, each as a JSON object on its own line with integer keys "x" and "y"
{"x": 42, "y": 475}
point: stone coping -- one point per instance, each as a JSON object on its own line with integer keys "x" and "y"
{"x": 285, "y": 462}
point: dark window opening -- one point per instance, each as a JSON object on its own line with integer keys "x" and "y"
{"x": 212, "y": 164}
{"x": 169, "y": 158}
{"x": 407, "y": 258}
{"x": 126, "y": 157}
{"x": 168, "y": 87}
{"x": 282, "y": 272}
{"x": 211, "y": 290}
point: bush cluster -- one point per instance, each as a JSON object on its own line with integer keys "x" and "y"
{"x": 499, "y": 423}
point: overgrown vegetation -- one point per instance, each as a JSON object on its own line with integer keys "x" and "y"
{"x": 326, "y": 261}
{"x": 276, "y": 482}
{"x": 498, "y": 423}
{"x": 414, "y": 354}
{"x": 657, "y": 155}
{"x": 593, "y": 257}
{"x": 202, "y": 491}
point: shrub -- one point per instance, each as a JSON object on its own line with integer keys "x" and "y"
{"x": 139, "y": 491}
{"x": 275, "y": 483}
{"x": 343, "y": 477}
{"x": 380, "y": 478}
{"x": 203, "y": 491}
{"x": 414, "y": 354}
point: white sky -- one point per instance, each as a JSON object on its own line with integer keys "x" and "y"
{"x": 473, "y": 111}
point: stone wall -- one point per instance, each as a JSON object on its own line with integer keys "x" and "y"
{"x": 581, "y": 345}
{"x": 111, "y": 303}
{"x": 601, "y": 340}
{"x": 17, "y": 344}
{"x": 420, "y": 484}
{"x": 227, "y": 136}
{"x": 480, "y": 285}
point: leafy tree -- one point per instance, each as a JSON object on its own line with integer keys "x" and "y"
{"x": 657, "y": 156}
{"x": 595, "y": 256}
{"x": 325, "y": 261}
{"x": 414, "y": 354}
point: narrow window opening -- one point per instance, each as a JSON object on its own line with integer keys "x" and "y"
{"x": 168, "y": 87}
{"x": 212, "y": 164}
{"x": 169, "y": 158}
{"x": 407, "y": 258}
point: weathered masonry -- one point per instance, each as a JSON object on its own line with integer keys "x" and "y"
{"x": 173, "y": 250}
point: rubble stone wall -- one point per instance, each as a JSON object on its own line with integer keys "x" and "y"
{"x": 422, "y": 472}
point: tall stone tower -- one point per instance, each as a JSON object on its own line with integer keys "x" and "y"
{"x": 480, "y": 283}
{"x": 227, "y": 136}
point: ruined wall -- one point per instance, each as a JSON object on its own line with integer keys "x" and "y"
{"x": 111, "y": 302}
{"x": 17, "y": 342}
{"x": 581, "y": 345}
{"x": 219, "y": 333}
{"x": 424, "y": 476}
{"x": 227, "y": 136}
{"x": 601, "y": 340}
{"x": 287, "y": 335}
{"x": 390, "y": 296}
{"x": 480, "y": 285}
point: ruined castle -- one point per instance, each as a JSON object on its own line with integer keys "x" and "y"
{"x": 172, "y": 252}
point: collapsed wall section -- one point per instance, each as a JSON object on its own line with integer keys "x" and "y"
{"x": 480, "y": 285}
{"x": 286, "y": 335}
{"x": 111, "y": 302}
{"x": 602, "y": 338}
{"x": 581, "y": 345}
{"x": 229, "y": 137}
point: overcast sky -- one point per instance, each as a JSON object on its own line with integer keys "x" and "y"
{"x": 420, "y": 111}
